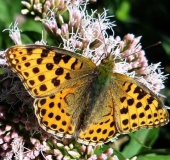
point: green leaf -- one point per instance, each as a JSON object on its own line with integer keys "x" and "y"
{"x": 154, "y": 157}
{"x": 119, "y": 155}
{"x": 101, "y": 149}
{"x": 165, "y": 44}
{"x": 1, "y": 71}
{"x": 123, "y": 12}
{"x": 135, "y": 138}
{"x": 32, "y": 35}
{"x": 146, "y": 136}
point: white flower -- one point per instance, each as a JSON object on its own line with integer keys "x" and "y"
{"x": 14, "y": 33}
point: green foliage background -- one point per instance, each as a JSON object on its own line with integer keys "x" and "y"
{"x": 147, "y": 18}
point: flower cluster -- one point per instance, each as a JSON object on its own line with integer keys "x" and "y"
{"x": 86, "y": 34}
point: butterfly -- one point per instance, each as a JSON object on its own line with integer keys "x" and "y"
{"x": 75, "y": 98}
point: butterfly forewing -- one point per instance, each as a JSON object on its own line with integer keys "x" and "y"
{"x": 138, "y": 106}
{"x": 46, "y": 70}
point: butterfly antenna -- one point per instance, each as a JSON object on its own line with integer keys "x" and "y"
{"x": 153, "y": 45}
{"x": 97, "y": 15}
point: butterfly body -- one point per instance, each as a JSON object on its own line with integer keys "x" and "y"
{"x": 76, "y": 98}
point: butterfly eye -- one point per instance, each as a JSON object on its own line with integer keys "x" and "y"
{"x": 103, "y": 61}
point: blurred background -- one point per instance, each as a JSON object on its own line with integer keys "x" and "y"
{"x": 149, "y": 19}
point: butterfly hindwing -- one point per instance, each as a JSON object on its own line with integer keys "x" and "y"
{"x": 59, "y": 114}
{"x": 102, "y": 127}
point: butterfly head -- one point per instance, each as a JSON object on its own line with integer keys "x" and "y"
{"x": 108, "y": 61}
{"x": 106, "y": 66}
